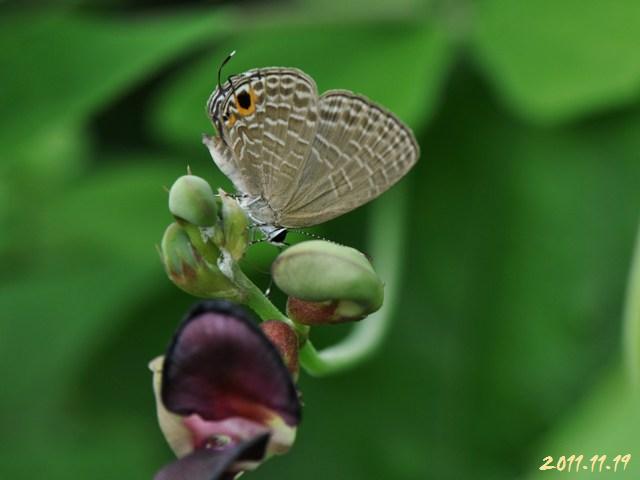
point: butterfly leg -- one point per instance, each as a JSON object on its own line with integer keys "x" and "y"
{"x": 277, "y": 237}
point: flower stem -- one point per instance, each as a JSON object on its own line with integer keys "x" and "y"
{"x": 257, "y": 300}
{"x": 631, "y": 322}
{"x": 387, "y": 232}
{"x": 261, "y": 304}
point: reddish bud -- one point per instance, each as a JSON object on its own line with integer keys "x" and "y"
{"x": 286, "y": 341}
{"x": 322, "y": 313}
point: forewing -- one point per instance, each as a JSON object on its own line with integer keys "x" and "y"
{"x": 359, "y": 151}
{"x": 271, "y": 142}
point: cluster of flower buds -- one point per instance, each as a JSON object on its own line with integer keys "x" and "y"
{"x": 209, "y": 234}
{"x": 225, "y": 388}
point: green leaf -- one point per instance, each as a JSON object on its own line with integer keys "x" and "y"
{"x": 79, "y": 444}
{"x": 401, "y": 66}
{"x": 554, "y": 61}
{"x": 605, "y": 423}
{"x": 517, "y": 257}
{"x": 530, "y": 232}
{"x": 57, "y": 158}
{"x": 59, "y": 67}
{"x": 92, "y": 258}
{"x": 632, "y": 318}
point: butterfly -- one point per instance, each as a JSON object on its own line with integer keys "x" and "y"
{"x": 297, "y": 158}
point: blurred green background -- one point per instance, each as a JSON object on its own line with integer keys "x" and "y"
{"x": 506, "y": 345}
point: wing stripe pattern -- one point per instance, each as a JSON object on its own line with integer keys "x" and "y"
{"x": 359, "y": 151}
{"x": 275, "y": 140}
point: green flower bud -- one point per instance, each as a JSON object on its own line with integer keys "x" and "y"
{"x": 235, "y": 226}
{"x": 329, "y": 283}
{"x": 191, "y": 199}
{"x": 190, "y": 271}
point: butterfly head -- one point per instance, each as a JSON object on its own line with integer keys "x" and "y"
{"x": 234, "y": 99}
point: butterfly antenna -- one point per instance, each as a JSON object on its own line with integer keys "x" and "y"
{"x": 224, "y": 62}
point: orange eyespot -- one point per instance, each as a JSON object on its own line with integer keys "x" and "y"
{"x": 246, "y": 102}
{"x": 230, "y": 120}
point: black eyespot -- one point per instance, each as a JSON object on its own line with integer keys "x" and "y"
{"x": 244, "y": 100}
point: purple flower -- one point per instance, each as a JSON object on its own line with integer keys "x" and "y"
{"x": 224, "y": 396}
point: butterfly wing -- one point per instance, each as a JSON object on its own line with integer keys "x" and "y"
{"x": 226, "y": 162}
{"x": 270, "y": 139}
{"x": 359, "y": 151}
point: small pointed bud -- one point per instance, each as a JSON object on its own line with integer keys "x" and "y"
{"x": 191, "y": 199}
{"x": 190, "y": 271}
{"x": 286, "y": 341}
{"x": 329, "y": 283}
{"x": 178, "y": 255}
{"x": 235, "y": 226}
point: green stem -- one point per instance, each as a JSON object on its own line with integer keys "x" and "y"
{"x": 631, "y": 319}
{"x": 387, "y": 232}
{"x": 257, "y": 300}
{"x": 260, "y": 304}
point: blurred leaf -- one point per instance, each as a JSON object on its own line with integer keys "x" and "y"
{"x": 99, "y": 447}
{"x": 57, "y": 158}
{"x": 554, "y": 61}
{"x": 363, "y": 8}
{"x": 606, "y": 422}
{"x": 401, "y": 66}
{"x": 93, "y": 259}
{"x": 524, "y": 247}
{"x": 631, "y": 332}
{"x": 90, "y": 264}
{"x": 58, "y": 67}
{"x": 518, "y": 255}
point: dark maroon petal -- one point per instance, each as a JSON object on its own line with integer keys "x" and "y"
{"x": 220, "y": 365}
{"x": 210, "y": 464}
